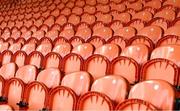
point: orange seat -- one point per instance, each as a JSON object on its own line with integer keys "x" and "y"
{"x": 152, "y": 32}
{"x": 52, "y": 34}
{"x": 98, "y": 62}
{"x": 65, "y": 95}
{"x": 74, "y": 19}
{"x": 126, "y": 32}
{"x": 44, "y": 48}
{"x": 53, "y": 60}
{"x": 50, "y": 77}
{"x": 85, "y": 50}
{"x": 83, "y": 31}
{"x": 168, "y": 40}
{"x": 138, "y": 24}
{"x": 135, "y": 104}
{"x": 28, "y": 48}
{"x": 75, "y": 41}
{"x": 62, "y": 49}
{"x": 19, "y": 58}
{"x": 96, "y": 41}
{"x": 138, "y": 52}
{"x": 111, "y": 84}
{"x": 35, "y": 58}
{"x": 67, "y": 31}
{"x": 72, "y": 63}
{"x": 143, "y": 15}
{"x": 8, "y": 70}
{"x": 6, "y": 57}
{"x": 4, "y": 46}
{"x": 79, "y": 78}
{"x": 170, "y": 52}
{"x": 60, "y": 40}
{"x": 27, "y": 73}
{"x": 35, "y": 96}
{"x": 111, "y": 51}
{"x": 125, "y": 67}
{"x": 174, "y": 30}
{"x": 167, "y": 14}
{"x": 118, "y": 40}
{"x": 156, "y": 88}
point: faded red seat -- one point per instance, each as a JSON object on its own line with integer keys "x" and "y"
{"x": 111, "y": 51}
{"x": 51, "y": 77}
{"x": 27, "y": 73}
{"x": 80, "y": 78}
{"x": 8, "y": 70}
{"x": 96, "y": 41}
{"x": 63, "y": 49}
{"x": 19, "y": 58}
{"x": 168, "y": 40}
{"x": 28, "y": 48}
{"x": 85, "y": 50}
{"x": 156, "y": 89}
{"x": 138, "y": 52}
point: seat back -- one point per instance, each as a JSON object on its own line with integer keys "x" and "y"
{"x": 19, "y": 58}
{"x": 15, "y": 47}
{"x": 115, "y": 87}
{"x": 156, "y": 89}
{"x": 138, "y": 52}
{"x": 62, "y": 49}
{"x": 27, "y": 73}
{"x": 50, "y": 77}
{"x": 96, "y": 41}
{"x": 111, "y": 51}
{"x": 29, "y": 47}
{"x": 98, "y": 62}
{"x": 85, "y": 50}
{"x": 80, "y": 78}
{"x": 8, "y": 70}
{"x": 44, "y": 48}
{"x": 6, "y": 56}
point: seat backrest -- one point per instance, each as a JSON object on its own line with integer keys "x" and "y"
{"x": 104, "y": 32}
{"x": 111, "y": 51}
{"x": 84, "y": 31}
{"x": 4, "y": 46}
{"x": 174, "y": 30}
{"x": 156, "y": 89}
{"x": 168, "y": 40}
{"x": 14, "y": 92}
{"x": 52, "y": 60}
{"x": 143, "y": 15}
{"x": 19, "y": 58}
{"x": 27, "y": 73}
{"x": 125, "y": 67}
{"x": 6, "y": 57}
{"x": 71, "y": 63}
{"x": 96, "y": 41}
{"x": 138, "y": 52}
{"x": 29, "y": 47}
{"x": 153, "y": 32}
{"x": 65, "y": 95}
{"x": 116, "y": 87}
{"x": 62, "y": 49}
{"x": 170, "y": 52}
{"x": 76, "y": 40}
{"x": 50, "y": 77}
{"x": 35, "y": 58}
{"x": 98, "y": 62}
{"x": 8, "y": 70}
{"x": 85, "y": 50}
{"x": 167, "y": 14}
{"x": 67, "y": 31}
{"x": 80, "y": 78}
{"x": 44, "y": 48}
{"x": 36, "y": 95}
{"x": 126, "y": 32}
{"x": 135, "y": 105}
{"x": 160, "y": 69}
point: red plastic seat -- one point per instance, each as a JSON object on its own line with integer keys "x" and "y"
{"x": 56, "y": 27}
{"x": 118, "y": 40}
{"x": 81, "y": 78}
{"x": 168, "y": 40}
{"x": 44, "y": 48}
{"x": 111, "y": 51}
{"x": 88, "y": 18}
{"x": 152, "y": 32}
{"x": 89, "y": 9}
{"x": 154, "y": 4}
{"x": 135, "y": 104}
{"x": 102, "y": 8}
{"x": 83, "y": 31}
{"x": 78, "y": 10}
{"x": 65, "y": 95}
{"x": 160, "y": 69}
{"x": 10, "y": 40}
{"x": 137, "y": 6}
{"x": 52, "y": 34}
{"x": 74, "y": 19}
{"x": 167, "y": 14}
{"x": 137, "y": 24}
{"x": 68, "y": 31}
{"x": 155, "y": 89}
{"x": 174, "y": 30}
{"x": 35, "y": 58}
{"x": 98, "y": 62}
{"x": 14, "y": 92}
{"x": 85, "y": 50}
{"x": 28, "y": 48}
{"x": 8, "y": 70}
{"x": 143, "y": 15}
{"x": 50, "y": 20}
{"x": 104, "y": 32}
{"x": 141, "y": 40}
{"x": 117, "y": 6}
{"x": 27, "y": 73}
{"x": 75, "y": 41}
{"x": 63, "y": 49}
{"x": 39, "y": 34}
{"x": 60, "y": 40}
{"x": 35, "y": 96}
{"x": 170, "y": 52}
{"x": 61, "y": 20}
{"x": 19, "y": 58}
{"x": 4, "y": 46}
{"x": 50, "y": 77}
{"x": 15, "y": 47}
{"x": 111, "y": 84}
{"x": 125, "y": 67}
{"x": 6, "y": 57}
{"x": 105, "y": 18}
{"x": 53, "y": 60}
{"x": 138, "y": 52}
{"x": 126, "y": 32}
{"x": 96, "y": 41}
{"x": 116, "y": 25}
{"x": 72, "y": 63}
